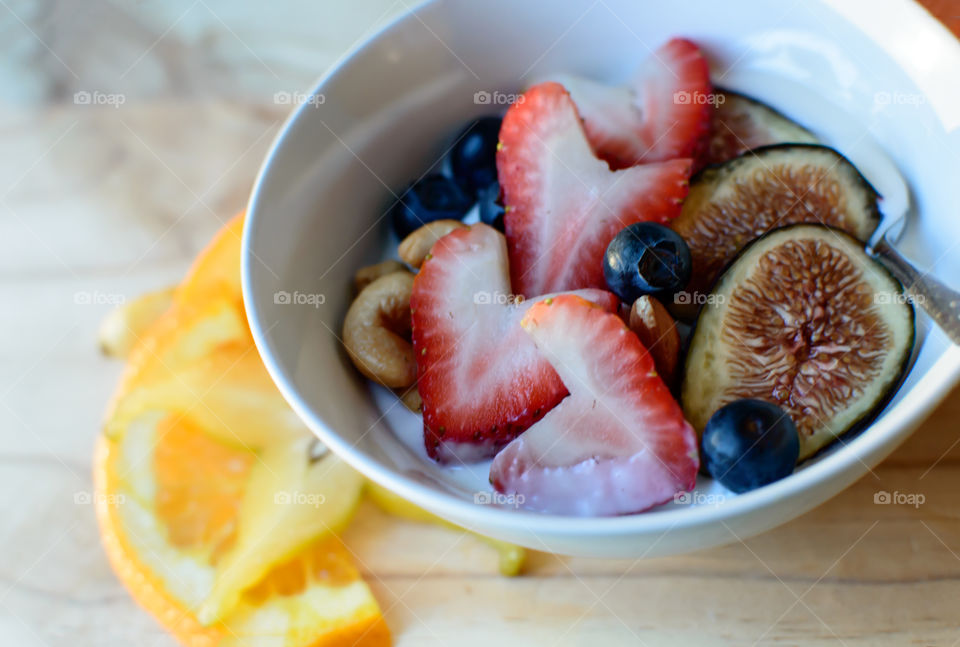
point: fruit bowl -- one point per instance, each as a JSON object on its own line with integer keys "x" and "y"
{"x": 857, "y": 77}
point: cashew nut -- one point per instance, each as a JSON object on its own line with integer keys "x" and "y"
{"x": 376, "y": 331}
{"x": 415, "y": 247}
{"x": 367, "y": 275}
{"x": 411, "y": 399}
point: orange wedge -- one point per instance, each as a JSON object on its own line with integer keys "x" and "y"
{"x": 216, "y": 509}
{"x": 121, "y": 328}
{"x": 198, "y": 357}
{"x": 205, "y": 312}
{"x": 216, "y": 270}
{"x": 169, "y": 501}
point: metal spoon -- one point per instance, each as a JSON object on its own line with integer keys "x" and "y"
{"x": 938, "y": 300}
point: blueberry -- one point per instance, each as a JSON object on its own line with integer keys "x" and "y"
{"x": 434, "y": 197}
{"x": 473, "y": 158}
{"x": 646, "y": 258}
{"x": 750, "y": 443}
{"x": 491, "y": 210}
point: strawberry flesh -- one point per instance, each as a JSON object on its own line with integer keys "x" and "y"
{"x": 563, "y": 205}
{"x": 662, "y": 114}
{"x": 618, "y": 443}
{"x": 480, "y": 376}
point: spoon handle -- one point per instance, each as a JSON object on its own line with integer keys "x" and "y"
{"x": 939, "y": 301}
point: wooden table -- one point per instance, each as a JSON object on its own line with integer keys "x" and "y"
{"x": 103, "y": 202}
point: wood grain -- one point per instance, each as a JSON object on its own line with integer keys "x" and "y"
{"x": 112, "y": 202}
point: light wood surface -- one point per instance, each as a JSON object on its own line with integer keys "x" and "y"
{"x": 100, "y": 203}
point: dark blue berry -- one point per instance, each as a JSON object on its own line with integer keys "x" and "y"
{"x": 646, "y": 258}
{"x": 491, "y": 210}
{"x": 434, "y": 197}
{"x": 750, "y": 443}
{"x": 473, "y": 158}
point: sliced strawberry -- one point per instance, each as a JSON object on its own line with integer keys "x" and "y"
{"x": 663, "y": 114}
{"x": 618, "y": 443}
{"x": 480, "y": 376}
{"x": 564, "y": 205}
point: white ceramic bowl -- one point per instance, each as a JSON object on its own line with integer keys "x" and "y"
{"x": 854, "y": 71}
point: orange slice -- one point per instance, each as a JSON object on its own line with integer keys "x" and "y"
{"x": 170, "y": 501}
{"x": 216, "y": 509}
{"x": 205, "y": 313}
{"x": 121, "y": 328}
{"x": 198, "y": 357}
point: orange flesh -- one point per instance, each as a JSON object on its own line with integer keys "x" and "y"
{"x": 200, "y": 485}
{"x": 202, "y": 512}
{"x": 198, "y": 512}
{"x": 327, "y": 561}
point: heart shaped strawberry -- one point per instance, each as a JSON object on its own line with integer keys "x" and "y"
{"x": 663, "y": 113}
{"x": 618, "y": 443}
{"x": 563, "y": 204}
{"x": 480, "y": 376}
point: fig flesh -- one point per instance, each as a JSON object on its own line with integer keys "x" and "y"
{"x": 739, "y": 123}
{"x": 732, "y": 204}
{"x": 803, "y": 319}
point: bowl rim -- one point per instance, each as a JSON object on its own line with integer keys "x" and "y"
{"x": 851, "y": 461}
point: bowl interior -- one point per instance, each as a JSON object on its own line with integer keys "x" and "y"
{"x": 318, "y": 212}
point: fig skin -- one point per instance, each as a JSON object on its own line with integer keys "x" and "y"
{"x": 738, "y": 227}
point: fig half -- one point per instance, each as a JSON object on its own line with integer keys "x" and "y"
{"x": 739, "y": 123}
{"x": 803, "y": 319}
{"x": 731, "y": 204}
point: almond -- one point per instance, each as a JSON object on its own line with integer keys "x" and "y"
{"x": 658, "y": 333}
